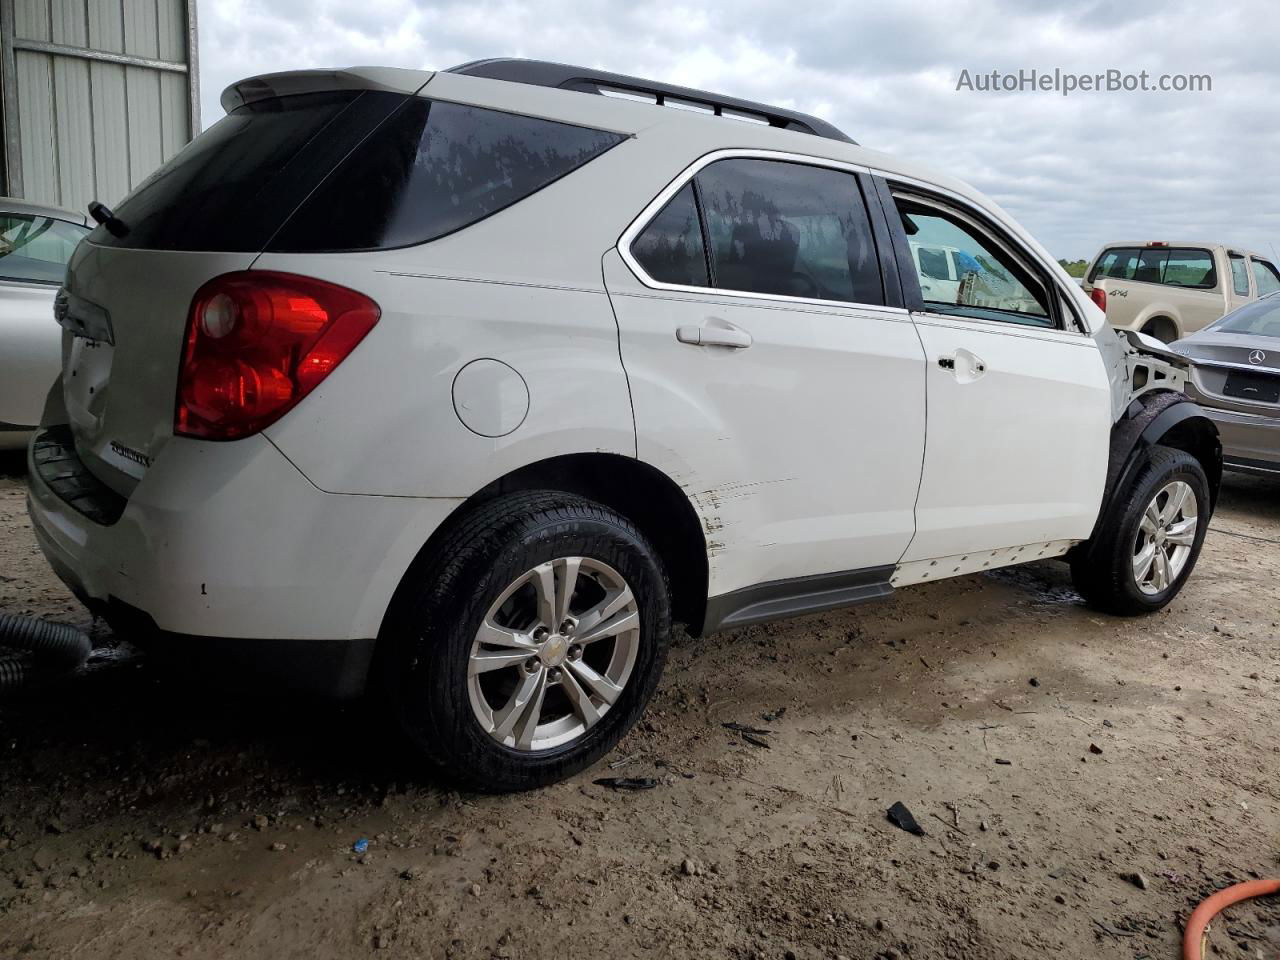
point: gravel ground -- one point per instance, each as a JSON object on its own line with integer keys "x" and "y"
{"x": 1051, "y": 754}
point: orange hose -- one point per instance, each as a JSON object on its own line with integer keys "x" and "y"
{"x": 1193, "y": 942}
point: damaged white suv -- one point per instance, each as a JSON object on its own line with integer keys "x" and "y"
{"x": 463, "y": 386}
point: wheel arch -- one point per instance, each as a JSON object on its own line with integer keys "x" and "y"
{"x": 1160, "y": 314}
{"x": 639, "y": 491}
{"x": 1167, "y": 418}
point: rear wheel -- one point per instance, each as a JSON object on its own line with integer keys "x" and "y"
{"x": 532, "y": 644}
{"x": 1142, "y": 560}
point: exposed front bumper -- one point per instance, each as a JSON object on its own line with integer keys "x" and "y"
{"x": 231, "y": 541}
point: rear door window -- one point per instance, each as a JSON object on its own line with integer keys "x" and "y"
{"x": 782, "y": 228}
{"x": 36, "y": 249}
{"x": 1266, "y": 277}
{"x": 433, "y": 168}
{"x": 1239, "y": 275}
{"x": 671, "y": 248}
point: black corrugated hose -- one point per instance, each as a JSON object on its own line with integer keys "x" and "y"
{"x": 42, "y": 648}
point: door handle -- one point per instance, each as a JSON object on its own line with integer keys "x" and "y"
{"x": 714, "y": 333}
{"x": 966, "y": 367}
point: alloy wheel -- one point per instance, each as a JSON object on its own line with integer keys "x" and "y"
{"x": 554, "y": 653}
{"x": 1165, "y": 537}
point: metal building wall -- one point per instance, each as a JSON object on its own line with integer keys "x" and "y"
{"x": 96, "y": 95}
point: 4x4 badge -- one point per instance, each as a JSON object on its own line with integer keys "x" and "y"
{"x": 1257, "y": 356}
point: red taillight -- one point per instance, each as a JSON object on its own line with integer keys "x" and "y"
{"x": 257, "y": 343}
{"x": 1099, "y": 296}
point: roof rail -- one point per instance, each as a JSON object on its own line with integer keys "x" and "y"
{"x": 544, "y": 73}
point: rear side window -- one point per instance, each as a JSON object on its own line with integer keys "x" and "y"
{"x": 233, "y": 186}
{"x": 35, "y": 248}
{"x": 433, "y": 168}
{"x": 1266, "y": 278}
{"x": 777, "y": 227}
{"x": 1239, "y": 275}
{"x": 671, "y": 249}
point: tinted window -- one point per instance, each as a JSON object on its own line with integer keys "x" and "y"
{"x": 434, "y": 168}
{"x": 989, "y": 284}
{"x": 1266, "y": 278}
{"x": 670, "y": 249}
{"x": 1118, "y": 262}
{"x": 1260, "y": 318}
{"x": 1239, "y": 275}
{"x": 1190, "y": 268}
{"x": 36, "y": 248}
{"x": 790, "y": 229}
{"x": 232, "y": 187}
{"x": 933, "y": 263}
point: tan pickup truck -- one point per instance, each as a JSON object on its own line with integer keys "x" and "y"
{"x": 1172, "y": 289}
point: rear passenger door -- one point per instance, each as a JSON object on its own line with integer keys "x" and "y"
{"x": 1018, "y": 399}
{"x": 770, "y": 374}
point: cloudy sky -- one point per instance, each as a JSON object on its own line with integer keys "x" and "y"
{"x": 1077, "y": 171}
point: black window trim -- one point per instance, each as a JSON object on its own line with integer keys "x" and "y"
{"x": 1057, "y": 295}
{"x": 656, "y": 205}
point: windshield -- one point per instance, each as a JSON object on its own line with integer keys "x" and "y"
{"x": 1260, "y": 318}
{"x": 36, "y": 248}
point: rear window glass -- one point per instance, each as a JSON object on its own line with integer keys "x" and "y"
{"x": 434, "y": 168}
{"x": 1260, "y": 318}
{"x": 1118, "y": 262}
{"x": 1172, "y": 266}
{"x": 234, "y": 185}
{"x": 36, "y": 248}
{"x": 671, "y": 249}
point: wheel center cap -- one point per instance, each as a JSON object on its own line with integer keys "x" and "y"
{"x": 554, "y": 651}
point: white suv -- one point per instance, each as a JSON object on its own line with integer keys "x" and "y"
{"x": 464, "y": 386}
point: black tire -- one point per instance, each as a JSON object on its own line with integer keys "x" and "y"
{"x": 442, "y": 605}
{"x": 1102, "y": 569}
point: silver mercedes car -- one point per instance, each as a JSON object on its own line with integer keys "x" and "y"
{"x": 1235, "y": 376}
{"x": 35, "y": 244}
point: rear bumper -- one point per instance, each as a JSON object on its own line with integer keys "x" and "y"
{"x": 226, "y": 553}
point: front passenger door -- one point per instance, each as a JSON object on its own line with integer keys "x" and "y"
{"x": 1019, "y": 408}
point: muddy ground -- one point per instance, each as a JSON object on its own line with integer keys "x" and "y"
{"x": 1050, "y": 753}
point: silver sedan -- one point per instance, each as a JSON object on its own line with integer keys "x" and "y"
{"x": 35, "y": 244}
{"x": 1235, "y": 376}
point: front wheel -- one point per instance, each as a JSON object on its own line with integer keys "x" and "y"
{"x": 1142, "y": 560}
{"x": 532, "y": 643}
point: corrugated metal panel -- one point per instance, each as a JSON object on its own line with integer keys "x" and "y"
{"x": 97, "y": 94}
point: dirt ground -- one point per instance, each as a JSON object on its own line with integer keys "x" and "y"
{"x": 1050, "y": 753}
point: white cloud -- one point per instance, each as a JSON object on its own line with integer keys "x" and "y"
{"x": 1077, "y": 171}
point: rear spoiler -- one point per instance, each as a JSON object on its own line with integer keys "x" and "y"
{"x": 271, "y": 85}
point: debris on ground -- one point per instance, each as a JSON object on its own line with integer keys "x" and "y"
{"x": 901, "y": 817}
{"x": 360, "y": 846}
{"x": 744, "y": 728}
{"x": 627, "y": 783}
